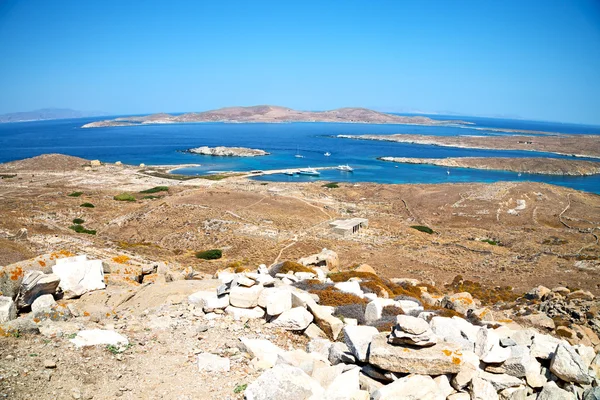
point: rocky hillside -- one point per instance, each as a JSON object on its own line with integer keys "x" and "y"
{"x": 79, "y": 328}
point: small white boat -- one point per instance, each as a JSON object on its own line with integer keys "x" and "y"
{"x": 290, "y": 173}
{"x": 298, "y": 155}
{"x": 309, "y": 171}
{"x": 448, "y": 171}
{"x": 327, "y": 154}
{"x": 345, "y": 168}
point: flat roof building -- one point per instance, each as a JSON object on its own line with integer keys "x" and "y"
{"x": 347, "y": 227}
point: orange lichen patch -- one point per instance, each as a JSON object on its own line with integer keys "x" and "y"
{"x": 456, "y": 360}
{"x": 36, "y": 320}
{"x": 61, "y": 254}
{"x": 293, "y": 267}
{"x": 42, "y": 263}
{"x": 122, "y": 259}
{"x": 335, "y": 298}
{"x": 150, "y": 278}
{"x": 447, "y": 352}
{"x": 16, "y": 273}
{"x": 505, "y": 321}
{"x": 122, "y": 279}
{"x": 86, "y": 314}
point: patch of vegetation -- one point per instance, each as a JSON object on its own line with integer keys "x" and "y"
{"x": 156, "y": 189}
{"x": 71, "y": 336}
{"x": 490, "y": 241}
{"x": 293, "y": 267}
{"x": 124, "y": 197}
{"x": 487, "y": 294}
{"x": 75, "y": 194}
{"x": 213, "y": 254}
{"x": 150, "y": 197}
{"x": 78, "y": 221}
{"x": 80, "y": 229}
{"x": 87, "y": 205}
{"x": 335, "y": 298}
{"x": 355, "y": 311}
{"x": 554, "y": 241}
{"x": 422, "y": 228}
{"x": 331, "y": 185}
{"x": 310, "y": 285}
{"x": 117, "y": 349}
{"x": 240, "y": 388}
{"x": 165, "y": 175}
{"x": 214, "y": 177}
{"x": 7, "y": 176}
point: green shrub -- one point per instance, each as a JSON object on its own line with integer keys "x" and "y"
{"x": 124, "y": 197}
{"x": 213, "y": 254}
{"x": 490, "y": 241}
{"x": 78, "y": 221}
{"x": 331, "y": 185}
{"x": 422, "y": 228}
{"x": 7, "y": 176}
{"x": 150, "y": 197}
{"x": 80, "y": 229}
{"x": 156, "y": 189}
{"x": 88, "y": 205}
{"x": 240, "y": 388}
{"x": 75, "y": 194}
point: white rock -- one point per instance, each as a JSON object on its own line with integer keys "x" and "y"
{"x": 358, "y": 339}
{"x": 284, "y": 382}
{"x": 95, "y": 337}
{"x": 443, "y": 383}
{"x": 586, "y": 353}
{"x": 35, "y": 284}
{"x": 487, "y": 347}
{"x": 544, "y": 346}
{"x": 409, "y": 307}
{"x": 327, "y": 259}
{"x": 459, "y": 396}
{"x": 241, "y": 280}
{"x": 262, "y": 349}
{"x": 468, "y": 371}
{"x": 521, "y": 364}
{"x": 331, "y": 325}
{"x": 296, "y": 319}
{"x": 275, "y": 300}
{"x": 500, "y": 381}
{"x": 352, "y": 287}
{"x": 8, "y": 309}
{"x": 43, "y": 302}
{"x": 212, "y": 363}
{"x": 320, "y": 346}
{"x": 344, "y": 386}
{"x": 568, "y": 366}
{"x": 225, "y": 276}
{"x": 452, "y": 330}
{"x": 209, "y": 300}
{"x": 265, "y": 280}
{"x": 412, "y": 387}
{"x": 374, "y": 309}
{"x": 326, "y": 375}
{"x": 304, "y": 275}
{"x": 79, "y": 275}
{"x": 413, "y": 325}
{"x": 340, "y": 353}
{"x": 314, "y": 332}
{"x": 244, "y": 297}
{"x": 241, "y": 313}
{"x": 301, "y": 359}
{"x": 552, "y": 392}
{"x": 482, "y": 390}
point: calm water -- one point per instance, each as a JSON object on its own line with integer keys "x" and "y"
{"x": 161, "y": 144}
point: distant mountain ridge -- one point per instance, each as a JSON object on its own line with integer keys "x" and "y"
{"x": 48, "y": 113}
{"x": 273, "y": 114}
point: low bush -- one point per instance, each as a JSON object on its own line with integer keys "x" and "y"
{"x": 78, "y": 221}
{"x": 213, "y": 254}
{"x": 331, "y": 185}
{"x": 311, "y": 285}
{"x": 488, "y": 295}
{"x": 124, "y": 197}
{"x": 293, "y": 267}
{"x": 80, "y": 229}
{"x": 335, "y": 298}
{"x": 87, "y": 205}
{"x": 156, "y": 189}
{"x": 422, "y": 228}
{"x": 356, "y": 311}
{"x": 75, "y": 194}
{"x": 490, "y": 241}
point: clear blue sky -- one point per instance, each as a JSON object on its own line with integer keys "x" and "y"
{"x": 526, "y": 58}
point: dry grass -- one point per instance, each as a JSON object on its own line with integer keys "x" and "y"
{"x": 293, "y": 267}
{"x": 335, "y": 298}
{"x": 488, "y": 295}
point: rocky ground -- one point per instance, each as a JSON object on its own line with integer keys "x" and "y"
{"x": 521, "y": 235}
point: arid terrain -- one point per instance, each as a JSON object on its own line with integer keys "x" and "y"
{"x": 272, "y": 114}
{"x": 545, "y": 234}
{"x": 575, "y": 145}
{"x": 532, "y": 165}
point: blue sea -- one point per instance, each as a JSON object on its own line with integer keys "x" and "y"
{"x": 163, "y": 144}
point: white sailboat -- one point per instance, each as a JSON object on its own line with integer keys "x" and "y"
{"x": 327, "y": 154}
{"x": 345, "y": 168}
{"x": 298, "y": 155}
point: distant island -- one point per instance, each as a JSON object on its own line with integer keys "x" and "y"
{"x": 273, "y": 114}
{"x": 530, "y": 165}
{"x": 47, "y": 114}
{"x": 227, "y": 151}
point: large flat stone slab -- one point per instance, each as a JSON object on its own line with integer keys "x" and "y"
{"x": 443, "y": 358}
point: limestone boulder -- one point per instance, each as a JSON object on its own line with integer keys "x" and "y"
{"x": 43, "y": 302}
{"x": 212, "y": 363}
{"x": 340, "y": 353}
{"x": 412, "y": 387}
{"x": 245, "y": 297}
{"x": 284, "y": 382}
{"x": 34, "y": 284}
{"x": 242, "y": 313}
{"x": 94, "y": 337}
{"x": 374, "y": 309}
{"x": 403, "y": 332}
{"x": 78, "y": 275}
{"x": 443, "y": 358}
{"x": 326, "y": 259}
{"x": 537, "y": 293}
{"x": 352, "y": 287}
{"x": 409, "y": 307}
{"x": 568, "y": 366}
{"x": 261, "y": 349}
{"x": 295, "y": 319}
{"x": 540, "y": 320}
{"x": 482, "y": 390}
{"x": 358, "y": 340}
{"x": 551, "y": 391}
{"x": 275, "y": 300}
{"x": 345, "y": 386}
{"x": 459, "y": 302}
{"x": 544, "y": 346}
{"x": 209, "y": 300}
{"x": 331, "y": 325}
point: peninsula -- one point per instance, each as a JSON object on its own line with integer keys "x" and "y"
{"x": 531, "y": 165}
{"x": 569, "y": 145}
{"x": 221, "y": 151}
{"x": 273, "y": 114}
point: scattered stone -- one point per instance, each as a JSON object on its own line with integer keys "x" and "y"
{"x": 327, "y": 259}
{"x": 412, "y": 387}
{"x": 331, "y": 325}
{"x": 568, "y": 365}
{"x": 409, "y": 307}
{"x": 50, "y": 364}
{"x": 537, "y": 293}
{"x": 244, "y": 297}
{"x": 581, "y": 294}
{"x": 283, "y": 382}
{"x": 374, "y": 309}
{"x": 43, "y": 302}
{"x": 352, "y": 287}
{"x": 405, "y": 325}
{"x": 212, "y": 363}
{"x": 551, "y": 391}
{"x": 78, "y": 275}
{"x": 345, "y": 386}
{"x": 459, "y": 302}
{"x": 358, "y": 339}
{"x": 275, "y": 300}
{"x": 209, "y": 300}
{"x": 314, "y": 332}
{"x": 340, "y": 353}
{"x": 482, "y": 390}
{"x": 95, "y": 337}
{"x": 262, "y": 349}
{"x": 544, "y": 346}
{"x": 500, "y": 381}
{"x": 296, "y": 319}
{"x": 443, "y": 358}
{"x": 35, "y": 284}
{"x": 540, "y": 321}
{"x": 242, "y": 313}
